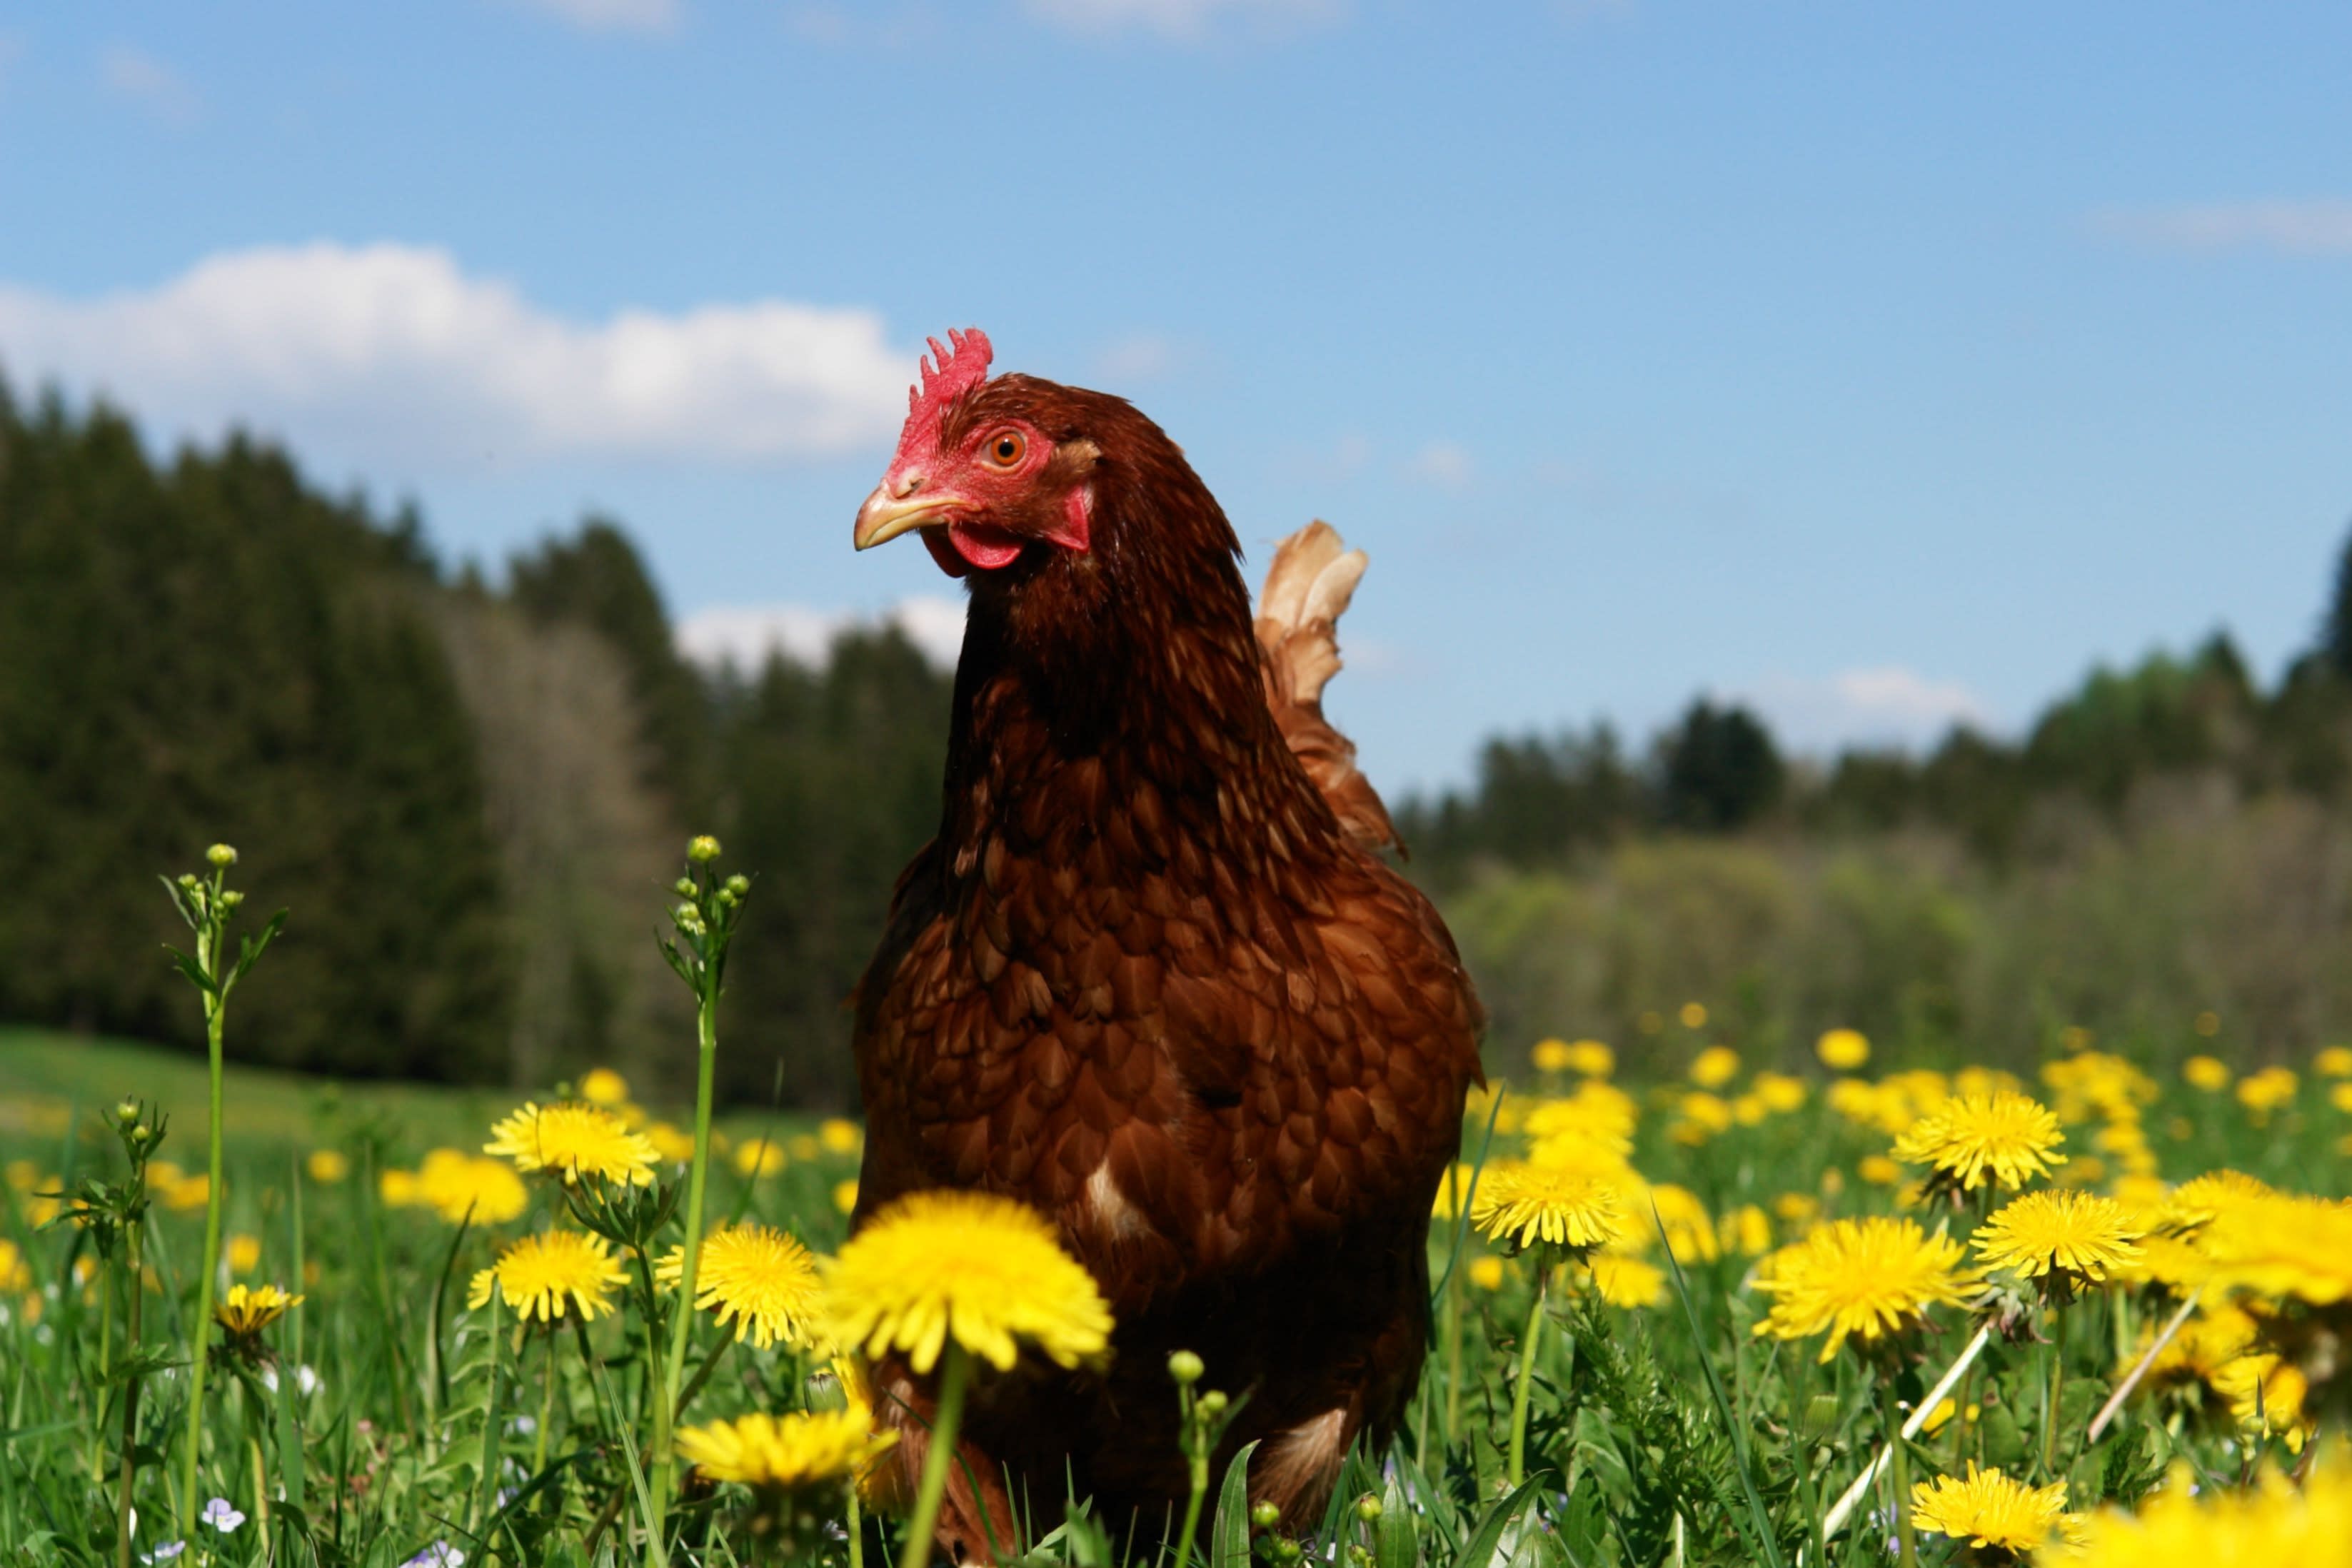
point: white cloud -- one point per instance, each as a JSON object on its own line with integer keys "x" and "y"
{"x": 613, "y": 16}
{"x": 1444, "y": 463}
{"x": 393, "y": 351}
{"x": 1189, "y": 20}
{"x": 2321, "y": 226}
{"x": 747, "y": 633}
{"x": 1137, "y": 357}
{"x": 140, "y": 76}
{"x": 1886, "y": 705}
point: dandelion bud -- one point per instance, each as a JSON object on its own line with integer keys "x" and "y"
{"x": 704, "y": 848}
{"x": 221, "y": 854}
{"x": 1185, "y": 1368}
{"x": 1211, "y": 1403}
{"x": 1265, "y": 1515}
{"x": 684, "y": 888}
{"x": 739, "y": 884}
{"x": 1368, "y": 1508}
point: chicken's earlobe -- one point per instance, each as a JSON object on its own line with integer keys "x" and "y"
{"x": 1076, "y": 529}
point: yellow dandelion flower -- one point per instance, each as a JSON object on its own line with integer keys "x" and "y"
{"x": 603, "y": 1086}
{"x": 1549, "y": 1056}
{"x": 455, "y": 1185}
{"x": 540, "y": 1274}
{"x": 1626, "y": 1281}
{"x": 2340, "y": 1096}
{"x": 1750, "y": 1110}
{"x": 1715, "y": 1066}
{"x": 1878, "y": 1170}
{"x": 1746, "y": 1230}
{"x": 763, "y": 1280}
{"x": 327, "y": 1166}
{"x": 1693, "y": 1015}
{"x": 573, "y": 1140}
{"x": 1988, "y": 1510}
{"x": 2096, "y": 1084}
{"x": 2334, "y": 1061}
{"x": 1867, "y": 1277}
{"x": 787, "y": 1453}
{"x": 1843, "y": 1050}
{"x": 2269, "y": 1524}
{"x": 1690, "y": 1229}
{"x": 1781, "y": 1093}
{"x": 672, "y": 1144}
{"x": 1487, "y": 1271}
{"x": 2266, "y": 1091}
{"x": 246, "y": 1310}
{"x": 2009, "y": 1138}
{"x": 1701, "y": 1117}
{"x": 2280, "y": 1245}
{"x": 839, "y": 1135}
{"x": 844, "y": 1196}
{"x": 397, "y": 1188}
{"x": 984, "y": 1271}
{"x": 14, "y": 1275}
{"x": 2068, "y": 1232}
{"x": 244, "y": 1253}
{"x": 1529, "y": 1205}
{"x": 1598, "y": 1113}
{"x": 2198, "y": 1203}
{"x": 2211, "y": 1074}
{"x": 1797, "y": 1208}
{"x": 760, "y": 1157}
{"x": 1594, "y": 1060}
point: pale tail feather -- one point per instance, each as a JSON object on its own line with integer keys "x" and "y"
{"x": 1307, "y": 588}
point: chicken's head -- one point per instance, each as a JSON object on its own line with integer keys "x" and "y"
{"x": 977, "y": 473}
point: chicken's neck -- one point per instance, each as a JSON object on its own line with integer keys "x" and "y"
{"x": 1126, "y": 739}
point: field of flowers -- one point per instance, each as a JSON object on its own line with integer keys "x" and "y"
{"x": 1688, "y": 1308}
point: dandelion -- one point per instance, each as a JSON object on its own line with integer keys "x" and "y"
{"x": 456, "y": 1185}
{"x": 2211, "y": 1074}
{"x": 962, "y": 1274}
{"x": 760, "y": 1157}
{"x": 1703, "y": 1115}
{"x": 1549, "y": 1056}
{"x": 1487, "y": 1271}
{"x": 1532, "y": 1205}
{"x": 603, "y": 1086}
{"x": 2279, "y": 1245}
{"x": 1878, "y": 1170}
{"x": 2007, "y": 1137}
{"x": 1843, "y": 1050}
{"x": 1690, "y": 1229}
{"x": 1867, "y": 1277}
{"x": 1599, "y": 1115}
{"x": 245, "y": 1311}
{"x": 1594, "y": 1060}
{"x": 327, "y": 1166}
{"x": 790, "y": 1453}
{"x": 2269, "y": 1524}
{"x": 1453, "y": 1191}
{"x": 1693, "y": 1015}
{"x": 2334, "y": 1061}
{"x": 2197, "y": 1203}
{"x": 538, "y": 1275}
{"x": 573, "y": 1140}
{"x": 1779, "y": 1091}
{"x": 1715, "y": 1066}
{"x": 762, "y": 1279}
{"x": 1988, "y": 1509}
{"x": 2266, "y": 1091}
{"x": 839, "y": 1135}
{"x": 2076, "y": 1235}
{"x": 1626, "y": 1281}
{"x": 844, "y": 1196}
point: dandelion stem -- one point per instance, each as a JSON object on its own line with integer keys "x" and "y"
{"x": 132, "y": 1284}
{"x": 1900, "y": 1448}
{"x": 664, "y": 1447}
{"x": 2139, "y": 1370}
{"x": 857, "y": 1531}
{"x": 955, "y": 1373}
{"x": 201, "y": 1339}
{"x": 1452, "y": 1426}
{"x": 487, "y": 1493}
{"x": 1519, "y": 1470}
{"x": 2056, "y": 1387}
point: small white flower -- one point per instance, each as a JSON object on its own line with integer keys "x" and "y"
{"x": 440, "y": 1555}
{"x": 221, "y": 1515}
{"x": 164, "y": 1552}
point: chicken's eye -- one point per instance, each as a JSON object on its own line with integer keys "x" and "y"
{"x": 1006, "y": 450}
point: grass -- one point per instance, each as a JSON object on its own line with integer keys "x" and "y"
{"x": 1660, "y": 1426}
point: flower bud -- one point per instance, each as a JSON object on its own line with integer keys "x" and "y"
{"x": 188, "y": 880}
{"x": 141, "y": 1133}
{"x": 704, "y": 848}
{"x": 1265, "y": 1515}
{"x": 127, "y": 1113}
{"x": 221, "y": 854}
{"x": 1368, "y": 1508}
{"x": 1212, "y": 1402}
{"x": 725, "y": 898}
{"x": 1287, "y": 1551}
{"x": 231, "y": 897}
{"x": 684, "y": 888}
{"x": 739, "y": 884}
{"x": 1185, "y": 1368}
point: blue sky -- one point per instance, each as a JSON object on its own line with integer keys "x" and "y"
{"x": 1878, "y": 364}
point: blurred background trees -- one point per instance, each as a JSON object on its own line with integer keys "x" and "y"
{"x": 473, "y": 797}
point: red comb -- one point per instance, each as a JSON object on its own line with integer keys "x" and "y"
{"x": 962, "y": 365}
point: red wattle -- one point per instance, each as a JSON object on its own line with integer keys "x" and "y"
{"x": 986, "y": 547}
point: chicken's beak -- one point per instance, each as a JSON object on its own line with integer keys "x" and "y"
{"x": 886, "y": 516}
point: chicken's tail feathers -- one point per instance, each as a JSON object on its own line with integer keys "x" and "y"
{"x": 1307, "y": 588}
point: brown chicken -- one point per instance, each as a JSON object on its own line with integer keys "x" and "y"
{"x": 1153, "y": 978}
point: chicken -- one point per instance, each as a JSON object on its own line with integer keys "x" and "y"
{"x": 1151, "y": 977}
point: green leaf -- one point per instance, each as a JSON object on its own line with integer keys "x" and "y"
{"x": 1757, "y": 1528}
{"x": 1484, "y": 1549}
{"x": 193, "y": 970}
{"x": 1229, "y": 1532}
{"x": 252, "y": 947}
{"x": 1395, "y": 1542}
